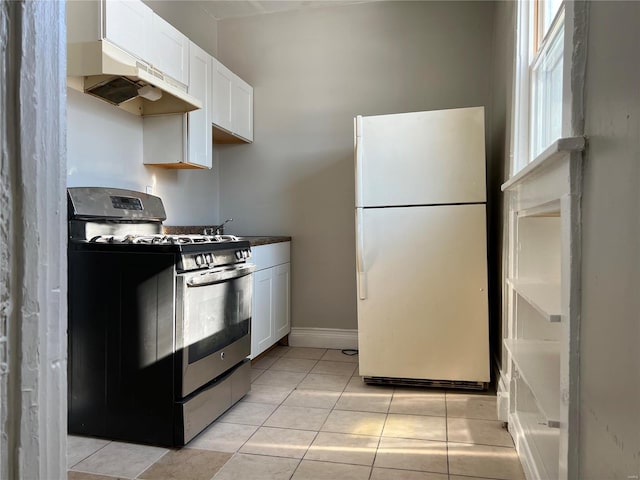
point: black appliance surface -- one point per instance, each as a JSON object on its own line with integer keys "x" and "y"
{"x": 127, "y": 358}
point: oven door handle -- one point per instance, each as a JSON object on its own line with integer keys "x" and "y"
{"x": 220, "y": 275}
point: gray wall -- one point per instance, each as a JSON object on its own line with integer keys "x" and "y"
{"x": 312, "y": 72}
{"x": 190, "y": 18}
{"x": 105, "y": 142}
{"x": 498, "y": 171}
{"x": 610, "y": 325}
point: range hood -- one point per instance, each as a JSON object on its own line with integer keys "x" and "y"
{"x": 111, "y": 74}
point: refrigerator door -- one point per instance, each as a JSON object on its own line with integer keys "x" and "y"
{"x": 421, "y": 158}
{"x": 424, "y": 314}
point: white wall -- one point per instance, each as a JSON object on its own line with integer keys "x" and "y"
{"x": 105, "y": 149}
{"x": 312, "y": 72}
{"x": 610, "y": 324}
{"x": 105, "y": 143}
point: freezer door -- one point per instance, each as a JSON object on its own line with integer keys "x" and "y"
{"x": 424, "y": 313}
{"x": 421, "y": 158}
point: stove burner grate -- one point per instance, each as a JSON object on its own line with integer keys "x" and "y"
{"x": 163, "y": 239}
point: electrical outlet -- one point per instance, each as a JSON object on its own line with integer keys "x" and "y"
{"x": 149, "y": 189}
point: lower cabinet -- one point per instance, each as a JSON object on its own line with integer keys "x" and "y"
{"x": 271, "y": 319}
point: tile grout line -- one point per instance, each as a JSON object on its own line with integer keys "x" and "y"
{"x": 70, "y": 467}
{"x": 333, "y": 408}
{"x": 237, "y": 452}
{"x": 264, "y": 421}
{"x": 446, "y": 426}
{"x": 272, "y": 413}
{"x": 296, "y": 469}
{"x": 375, "y": 455}
{"x": 316, "y": 433}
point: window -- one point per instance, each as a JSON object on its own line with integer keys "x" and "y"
{"x": 546, "y": 90}
{"x": 539, "y": 78}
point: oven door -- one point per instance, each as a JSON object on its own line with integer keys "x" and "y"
{"x": 213, "y": 322}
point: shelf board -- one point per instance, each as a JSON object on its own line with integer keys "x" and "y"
{"x": 538, "y": 362}
{"x": 549, "y": 209}
{"x": 543, "y": 443}
{"x": 554, "y": 152}
{"x": 544, "y": 297}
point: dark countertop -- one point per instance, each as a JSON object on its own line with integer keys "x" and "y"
{"x": 266, "y": 240}
{"x": 255, "y": 240}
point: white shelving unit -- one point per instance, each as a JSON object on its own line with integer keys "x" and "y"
{"x": 543, "y": 444}
{"x": 540, "y": 362}
{"x": 544, "y": 297}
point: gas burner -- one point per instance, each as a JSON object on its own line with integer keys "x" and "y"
{"x": 163, "y": 239}
{"x": 224, "y": 238}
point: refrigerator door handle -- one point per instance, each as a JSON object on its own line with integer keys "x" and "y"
{"x": 358, "y": 161}
{"x": 362, "y": 275}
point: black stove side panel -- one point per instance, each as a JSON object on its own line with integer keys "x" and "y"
{"x": 121, "y": 338}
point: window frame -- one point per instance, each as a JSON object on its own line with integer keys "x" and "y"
{"x": 541, "y": 121}
{"x": 530, "y": 49}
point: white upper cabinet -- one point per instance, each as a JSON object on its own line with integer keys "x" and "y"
{"x": 222, "y": 87}
{"x": 169, "y": 50}
{"x": 242, "y": 108}
{"x": 134, "y": 27}
{"x": 128, "y": 25}
{"x": 199, "y": 122}
{"x": 232, "y": 108}
{"x": 184, "y": 141}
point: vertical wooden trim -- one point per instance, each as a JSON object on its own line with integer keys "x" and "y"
{"x": 5, "y": 229}
{"x": 537, "y": 36}
{"x": 10, "y": 266}
{"x": 33, "y": 247}
{"x": 574, "y": 71}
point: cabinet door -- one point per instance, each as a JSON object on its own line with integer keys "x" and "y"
{"x": 262, "y": 315}
{"x": 199, "y": 140}
{"x": 164, "y": 139}
{"x": 169, "y": 50}
{"x": 221, "y": 101}
{"x": 281, "y": 299}
{"x": 242, "y": 108}
{"x": 128, "y": 24}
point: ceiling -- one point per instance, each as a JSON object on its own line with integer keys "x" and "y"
{"x": 221, "y": 9}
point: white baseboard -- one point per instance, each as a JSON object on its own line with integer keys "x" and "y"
{"x": 503, "y": 398}
{"x": 337, "y": 338}
{"x": 527, "y": 454}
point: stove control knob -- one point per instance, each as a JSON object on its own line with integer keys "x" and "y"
{"x": 199, "y": 260}
{"x": 248, "y": 252}
{"x": 239, "y": 255}
{"x": 208, "y": 258}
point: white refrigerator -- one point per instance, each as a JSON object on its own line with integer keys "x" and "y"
{"x": 421, "y": 248}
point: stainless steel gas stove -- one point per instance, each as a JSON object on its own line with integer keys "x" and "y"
{"x": 159, "y": 324}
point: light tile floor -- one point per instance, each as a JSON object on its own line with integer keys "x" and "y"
{"x": 309, "y": 416}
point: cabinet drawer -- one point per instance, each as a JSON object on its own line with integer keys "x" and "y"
{"x": 265, "y": 256}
